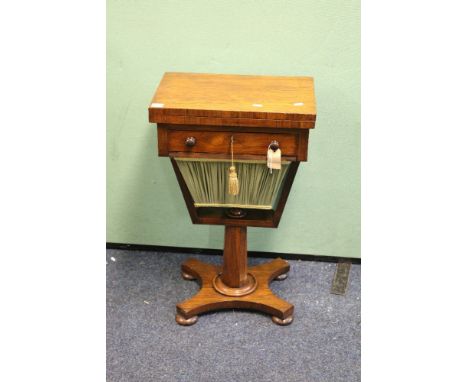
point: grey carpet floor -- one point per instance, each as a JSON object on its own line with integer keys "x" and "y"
{"x": 144, "y": 343}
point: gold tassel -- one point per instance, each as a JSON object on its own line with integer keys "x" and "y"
{"x": 233, "y": 181}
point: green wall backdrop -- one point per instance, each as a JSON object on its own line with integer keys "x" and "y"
{"x": 319, "y": 38}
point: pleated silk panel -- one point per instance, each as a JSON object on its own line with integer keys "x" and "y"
{"x": 207, "y": 181}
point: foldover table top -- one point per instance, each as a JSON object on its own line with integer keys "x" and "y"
{"x": 234, "y": 100}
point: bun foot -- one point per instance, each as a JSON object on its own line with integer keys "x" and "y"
{"x": 282, "y": 277}
{"x": 279, "y": 321}
{"x": 185, "y": 321}
{"x": 186, "y": 276}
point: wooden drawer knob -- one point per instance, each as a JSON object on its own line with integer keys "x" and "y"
{"x": 190, "y": 141}
{"x": 274, "y": 145}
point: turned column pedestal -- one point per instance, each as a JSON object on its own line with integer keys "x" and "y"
{"x": 234, "y": 285}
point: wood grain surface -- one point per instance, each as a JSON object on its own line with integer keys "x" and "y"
{"x": 219, "y": 142}
{"x": 208, "y": 299}
{"x": 237, "y": 100}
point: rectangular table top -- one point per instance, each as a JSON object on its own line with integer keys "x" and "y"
{"x": 237, "y": 100}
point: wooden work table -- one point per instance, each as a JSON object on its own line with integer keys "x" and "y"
{"x": 197, "y": 116}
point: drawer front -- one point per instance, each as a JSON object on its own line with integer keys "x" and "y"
{"x": 218, "y": 142}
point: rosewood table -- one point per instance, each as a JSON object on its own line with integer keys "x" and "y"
{"x": 238, "y": 118}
